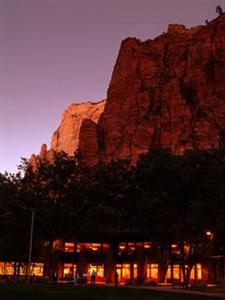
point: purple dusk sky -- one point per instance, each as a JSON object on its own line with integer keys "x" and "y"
{"x": 56, "y": 52}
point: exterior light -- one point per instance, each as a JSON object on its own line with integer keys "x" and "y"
{"x": 209, "y": 234}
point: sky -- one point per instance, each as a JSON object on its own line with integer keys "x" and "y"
{"x": 57, "y": 52}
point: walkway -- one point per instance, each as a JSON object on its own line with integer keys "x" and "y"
{"x": 169, "y": 289}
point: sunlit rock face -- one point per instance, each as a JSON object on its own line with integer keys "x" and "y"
{"x": 66, "y": 137}
{"x": 45, "y": 154}
{"x": 168, "y": 92}
{"x": 164, "y": 93}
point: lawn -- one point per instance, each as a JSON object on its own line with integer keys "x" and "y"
{"x": 66, "y": 292}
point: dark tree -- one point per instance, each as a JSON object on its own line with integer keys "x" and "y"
{"x": 219, "y": 10}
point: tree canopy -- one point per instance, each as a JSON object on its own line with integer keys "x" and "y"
{"x": 168, "y": 198}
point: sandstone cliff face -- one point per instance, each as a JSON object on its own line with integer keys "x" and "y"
{"x": 66, "y": 137}
{"x": 164, "y": 93}
{"x": 168, "y": 92}
{"x": 45, "y": 154}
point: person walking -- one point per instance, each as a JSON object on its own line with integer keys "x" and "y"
{"x": 116, "y": 277}
{"x": 93, "y": 277}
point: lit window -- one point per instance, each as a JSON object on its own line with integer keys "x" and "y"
{"x": 147, "y": 245}
{"x": 192, "y": 274}
{"x": 23, "y": 268}
{"x": 187, "y": 248}
{"x": 175, "y": 249}
{"x": 199, "y": 271}
{"x": 69, "y": 247}
{"x": 95, "y": 247}
{"x": 77, "y": 247}
{"x": 168, "y": 274}
{"x": 69, "y": 270}
{"x": 57, "y": 244}
{"x": 135, "y": 271}
{"x": 126, "y": 271}
{"x": 9, "y": 268}
{"x": 2, "y": 268}
{"x": 122, "y": 246}
{"x": 123, "y": 271}
{"x": 152, "y": 271}
{"x": 99, "y": 271}
{"x": 37, "y": 269}
{"x": 177, "y": 274}
{"x": 131, "y": 247}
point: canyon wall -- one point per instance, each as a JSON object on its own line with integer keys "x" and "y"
{"x": 164, "y": 93}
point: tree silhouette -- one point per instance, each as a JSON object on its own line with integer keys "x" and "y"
{"x": 219, "y": 10}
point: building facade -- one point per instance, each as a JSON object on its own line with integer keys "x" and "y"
{"x": 138, "y": 261}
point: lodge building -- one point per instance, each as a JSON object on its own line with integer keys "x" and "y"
{"x": 132, "y": 260}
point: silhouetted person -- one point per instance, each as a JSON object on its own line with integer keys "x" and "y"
{"x": 93, "y": 278}
{"x": 116, "y": 279}
{"x": 206, "y": 22}
{"x": 55, "y": 277}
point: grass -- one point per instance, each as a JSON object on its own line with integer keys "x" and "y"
{"x": 66, "y": 292}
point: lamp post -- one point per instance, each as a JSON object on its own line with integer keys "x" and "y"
{"x": 30, "y": 244}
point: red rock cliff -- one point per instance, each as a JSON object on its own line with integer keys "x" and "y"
{"x": 66, "y": 137}
{"x": 168, "y": 92}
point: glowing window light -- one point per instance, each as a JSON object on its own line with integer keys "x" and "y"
{"x": 175, "y": 249}
{"x": 78, "y": 247}
{"x": 196, "y": 272}
{"x": 192, "y": 274}
{"x": 147, "y": 245}
{"x": 135, "y": 271}
{"x": 177, "y": 274}
{"x": 98, "y": 269}
{"x": 152, "y": 271}
{"x": 126, "y": 271}
{"x": 131, "y": 247}
{"x": 9, "y": 268}
{"x": 69, "y": 247}
{"x": 123, "y": 271}
{"x": 199, "y": 271}
{"x": 122, "y": 246}
{"x": 23, "y": 268}
{"x": 168, "y": 273}
{"x": 2, "y": 268}
{"x": 95, "y": 246}
{"x": 67, "y": 270}
{"x": 37, "y": 269}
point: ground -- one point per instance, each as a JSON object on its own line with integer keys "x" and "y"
{"x": 64, "y": 291}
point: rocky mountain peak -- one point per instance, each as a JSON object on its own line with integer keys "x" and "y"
{"x": 164, "y": 93}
